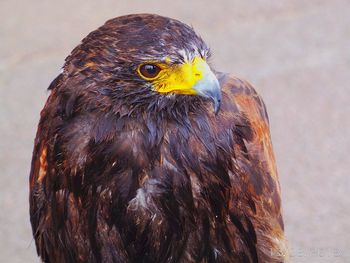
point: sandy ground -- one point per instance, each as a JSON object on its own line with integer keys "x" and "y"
{"x": 296, "y": 53}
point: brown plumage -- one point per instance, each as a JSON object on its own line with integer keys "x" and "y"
{"x": 124, "y": 173}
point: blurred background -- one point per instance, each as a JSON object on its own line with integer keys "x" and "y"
{"x": 295, "y": 52}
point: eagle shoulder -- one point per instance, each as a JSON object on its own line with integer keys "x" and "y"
{"x": 259, "y": 195}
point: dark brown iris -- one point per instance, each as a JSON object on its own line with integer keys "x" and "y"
{"x": 149, "y": 71}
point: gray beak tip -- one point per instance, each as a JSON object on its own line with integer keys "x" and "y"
{"x": 217, "y": 106}
{"x": 209, "y": 88}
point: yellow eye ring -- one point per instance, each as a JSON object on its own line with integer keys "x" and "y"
{"x": 149, "y": 71}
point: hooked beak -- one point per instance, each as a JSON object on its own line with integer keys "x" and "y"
{"x": 191, "y": 78}
{"x": 209, "y": 87}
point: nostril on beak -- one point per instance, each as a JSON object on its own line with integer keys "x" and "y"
{"x": 198, "y": 75}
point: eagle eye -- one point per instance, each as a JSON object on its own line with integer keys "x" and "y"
{"x": 149, "y": 71}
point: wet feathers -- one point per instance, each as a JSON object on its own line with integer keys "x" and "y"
{"x": 122, "y": 173}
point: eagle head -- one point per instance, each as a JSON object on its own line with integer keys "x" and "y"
{"x": 146, "y": 62}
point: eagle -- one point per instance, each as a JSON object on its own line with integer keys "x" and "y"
{"x": 145, "y": 153}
